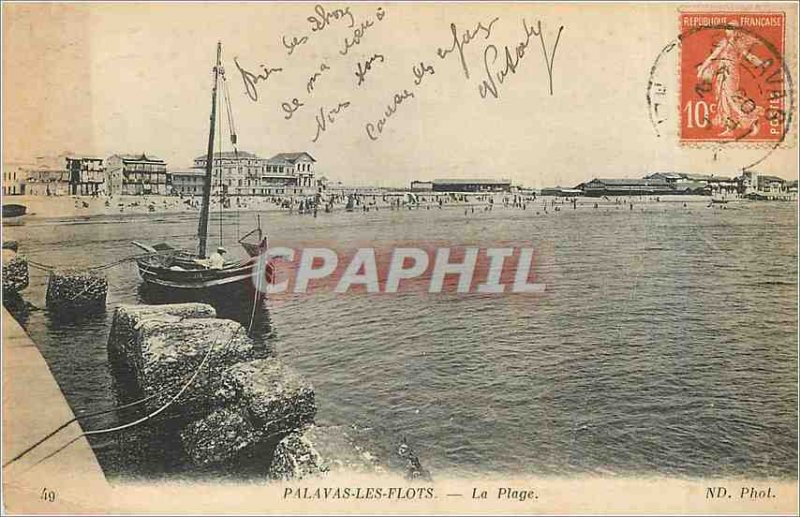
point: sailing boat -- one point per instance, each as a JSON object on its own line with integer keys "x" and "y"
{"x": 176, "y": 271}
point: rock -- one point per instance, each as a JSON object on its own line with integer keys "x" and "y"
{"x": 236, "y": 407}
{"x": 295, "y": 458}
{"x": 123, "y": 351}
{"x": 172, "y": 351}
{"x": 218, "y": 437}
{"x": 318, "y": 451}
{"x": 156, "y": 350}
{"x": 15, "y": 275}
{"x": 340, "y": 452}
{"x": 76, "y": 291}
{"x": 277, "y": 398}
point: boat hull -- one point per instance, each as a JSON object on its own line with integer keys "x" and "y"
{"x": 231, "y": 284}
{"x": 13, "y": 210}
{"x": 14, "y": 215}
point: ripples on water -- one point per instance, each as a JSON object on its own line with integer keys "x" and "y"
{"x": 664, "y": 344}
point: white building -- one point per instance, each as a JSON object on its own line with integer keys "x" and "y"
{"x": 246, "y": 174}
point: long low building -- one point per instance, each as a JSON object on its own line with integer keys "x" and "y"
{"x": 561, "y": 192}
{"x": 599, "y": 187}
{"x": 462, "y": 185}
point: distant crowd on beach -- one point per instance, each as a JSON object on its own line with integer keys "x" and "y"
{"x": 329, "y": 202}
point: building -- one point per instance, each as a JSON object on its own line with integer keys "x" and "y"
{"x": 771, "y": 184}
{"x": 299, "y": 164}
{"x": 47, "y": 182}
{"x": 561, "y": 192}
{"x": 233, "y": 173}
{"x": 626, "y": 187}
{"x": 471, "y": 185}
{"x": 748, "y": 182}
{"x": 669, "y": 177}
{"x": 245, "y": 174}
{"x": 722, "y": 184}
{"x": 421, "y": 186}
{"x": 135, "y": 174}
{"x": 13, "y": 181}
{"x": 689, "y": 187}
{"x": 187, "y": 182}
{"x": 86, "y": 176}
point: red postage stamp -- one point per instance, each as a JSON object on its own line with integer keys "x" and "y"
{"x": 732, "y": 77}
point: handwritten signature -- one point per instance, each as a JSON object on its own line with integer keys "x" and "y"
{"x": 513, "y": 58}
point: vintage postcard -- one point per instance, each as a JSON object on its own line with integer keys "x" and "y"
{"x": 400, "y": 258}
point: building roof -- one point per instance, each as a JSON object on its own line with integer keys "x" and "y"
{"x": 473, "y": 181}
{"x": 560, "y": 189}
{"x": 621, "y": 182}
{"x": 772, "y": 178}
{"x": 242, "y": 155}
{"x": 92, "y": 158}
{"x": 665, "y": 175}
{"x": 137, "y": 157}
{"x": 276, "y": 160}
{"x": 292, "y": 157}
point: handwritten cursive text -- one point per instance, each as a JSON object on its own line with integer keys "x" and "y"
{"x": 324, "y": 117}
{"x": 251, "y": 80}
{"x": 459, "y": 42}
{"x": 489, "y": 85}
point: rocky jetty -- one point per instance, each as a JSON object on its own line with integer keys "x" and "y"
{"x": 73, "y": 291}
{"x": 124, "y": 348}
{"x": 232, "y": 402}
{"x": 231, "y": 411}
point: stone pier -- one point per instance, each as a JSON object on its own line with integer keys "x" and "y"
{"x": 233, "y": 403}
{"x": 63, "y": 467}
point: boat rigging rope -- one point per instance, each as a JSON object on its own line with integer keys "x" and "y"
{"x": 220, "y": 194}
{"x": 234, "y": 139}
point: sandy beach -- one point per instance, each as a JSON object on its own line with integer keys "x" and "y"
{"x": 87, "y": 206}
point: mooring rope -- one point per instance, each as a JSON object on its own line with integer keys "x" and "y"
{"x": 82, "y": 417}
{"x": 50, "y": 268}
{"x": 134, "y": 423}
{"x": 186, "y": 385}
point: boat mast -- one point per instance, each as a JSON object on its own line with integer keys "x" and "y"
{"x": 202, "y": 227}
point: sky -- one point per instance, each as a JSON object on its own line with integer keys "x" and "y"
{"x": 99, "y": 79}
